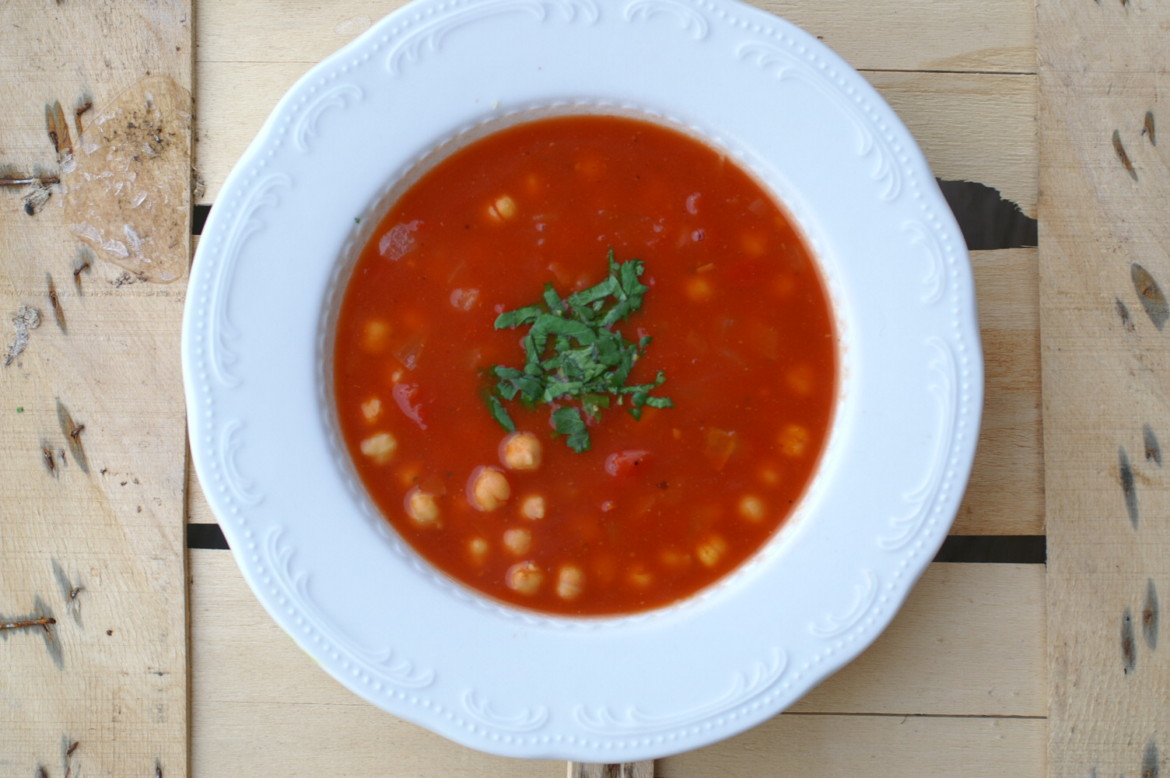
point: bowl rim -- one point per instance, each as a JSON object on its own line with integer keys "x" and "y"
{"x": 929, "y": 338}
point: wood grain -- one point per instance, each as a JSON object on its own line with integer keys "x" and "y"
{"x": 1106, "y": 367}
{"x": 260, "y": 706}
{"x": 871, "y": 746}
{"x": 956, "y": 686}
{"x": 971, "y": 128}
{"x": 251, "y": 684}
{"x": 969, "y": 96}
{"x": 620, "y": 770}
{"x": 952, "y": 36}
{"x": 91, "y": 420}
{"x": 1005, "y": 495}
{"x": 925, "y": 35}
{"x": 981, "y": 623}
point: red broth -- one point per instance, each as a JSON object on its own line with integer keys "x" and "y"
{"x": 657, "y": 508}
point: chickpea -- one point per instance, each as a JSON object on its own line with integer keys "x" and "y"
{"x": 794, "y": 440}
{"x": 784, "y": 285}
{"x": 754, "y": 244}
{"x": 477, "y": 549}
{"x": 524, "y": 578}
{"x": 487, "y": 489}
{"x": 699, "y": 289}
{"x": 520, "y": 451}
{"x": 502, "y": 209}
{"x": 769, "y": 475}
{"x": 711, "y": 550}
{"x": 570, "y": 582}
{"x": 372, "y": 409}
{"x": 375, "y": 336}
{"x": 532, "y": 507}
{"x": 422, "y": 508}
{"x": 409, "y": 474}
{"x": 518, "y": 541}
{"x": 639, "y": 577}
{"x": 674, "y": 560}
{"x": 380, "y": 447}
{"x": 801, "y": 380}
{"x": 751, "y": 508}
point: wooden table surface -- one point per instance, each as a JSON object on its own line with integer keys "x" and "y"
{"x": 129, "y": 643}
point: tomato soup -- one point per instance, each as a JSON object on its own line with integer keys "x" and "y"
{"x": 585, "y": 365}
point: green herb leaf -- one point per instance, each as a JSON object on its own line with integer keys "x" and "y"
{"x": 518, "y": 317}
{"x": 552, "y": 299}
{"x": 575, "y": 358}
{"x": 594, "y": 294}
{"x": 500, "y": 413}
{"x": 547, "y": 324}
{"x": 567, "y": 421}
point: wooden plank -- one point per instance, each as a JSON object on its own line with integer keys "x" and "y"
{"x": 981, "y": 623}
{"x": 334, "y": 736}
{"x": 91, "y": 422}
{"x": 971, "y": 127}
{"x": 872, "y": 746}
{"x": 923, "y": 35}
{"x": 251, "y": 684}
{"x": 260, "y": 706}
{"x": 1106, "y": 366}
{"x": 931, "y": 35}
{"x": 1005, "y": 495}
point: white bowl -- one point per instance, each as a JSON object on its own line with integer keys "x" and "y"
{"x": 302, "y": 201}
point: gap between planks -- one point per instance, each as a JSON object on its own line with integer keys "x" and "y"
{"x": 1005, "y": 495}
{"x": 970, "y": 128}
{"x": 962, "y": 663}
{"x": 616, "y": 770}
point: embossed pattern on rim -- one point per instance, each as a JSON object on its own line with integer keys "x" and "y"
{"x": 379, "y": 620}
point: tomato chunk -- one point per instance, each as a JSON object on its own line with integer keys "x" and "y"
{"x": 405, "y": 395}
{"x": 623, "y": 464}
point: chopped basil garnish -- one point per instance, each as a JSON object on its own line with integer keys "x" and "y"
{"x": 500, "y": 414}
{"x": 575, "y": 359}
